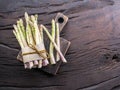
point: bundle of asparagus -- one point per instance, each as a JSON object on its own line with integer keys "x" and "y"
{"x": 31, "y": 40}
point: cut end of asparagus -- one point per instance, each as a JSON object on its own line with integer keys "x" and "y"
{"x": 35, "y": 62}
{"x": 31, "y": 65}
{"x": 40, "y": 64}
{"x": 65, "y": 61}
{"x": 25, "y": 65}
{"x": 45, "y": 62}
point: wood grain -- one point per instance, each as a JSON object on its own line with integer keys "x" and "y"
{"x": 94, "y": 54}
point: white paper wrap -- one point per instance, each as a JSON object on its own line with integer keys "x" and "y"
{"x": 42, "y": 47}
{"x": 30, "y": 57}
{"x": 34, "y": 56}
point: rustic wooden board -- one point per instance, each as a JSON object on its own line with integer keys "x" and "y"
{"x": 94, "y": 54}
{"x": 62, "y": 20}
{"x": 52, "y": 69}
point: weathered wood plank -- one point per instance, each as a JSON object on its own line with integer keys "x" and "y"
{"x": 94, "y": 54}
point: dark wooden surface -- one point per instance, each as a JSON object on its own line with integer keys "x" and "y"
{"x": 94, "y": 54}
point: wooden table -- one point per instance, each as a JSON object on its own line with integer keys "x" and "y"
{"x": 94, "y": 54}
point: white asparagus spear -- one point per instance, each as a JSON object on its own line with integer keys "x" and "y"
{"x": 57, "y": 41}
{"x": 51, "y": 48}
{"x": 45, "y": 61}
{"x": 40, "y": 64}
{"x": 19, "y": 35}
{"x": 56, "y": 47}
{"x": 39, "y": 37}
{"x": 29, "y": 35}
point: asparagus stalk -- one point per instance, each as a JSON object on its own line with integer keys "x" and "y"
{"x": 29, "y": 36}
{"x": 40, "y": 64}
{"x": 29, "y": 31}
{"x": 38, "y": 35}
{"x": 20, "y": 25}
{"x": 24, "y": 34}
{"x": 45, "y": 61}
{"x": 18, "y": 38}
{"x": 57, "y": 41}
{"x": 51, "y": 49}
{"x": 56, "y": 47}
{"x": 35, "y": 29}
{"x": 19, "y": 35}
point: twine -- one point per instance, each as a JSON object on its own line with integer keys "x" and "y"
{"x": 39, "y": 52}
